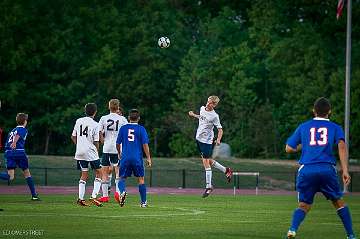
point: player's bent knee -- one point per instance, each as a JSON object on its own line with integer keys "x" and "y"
{"x": 339, "y": 203}
{"x": 304, "y": 206}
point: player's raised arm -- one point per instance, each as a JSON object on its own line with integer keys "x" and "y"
{"x": 192, "y": 114}
{"x": 343, "y": 162}
{"x": 147, "y": 153}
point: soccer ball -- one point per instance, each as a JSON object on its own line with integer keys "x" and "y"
{"x": 164, "y": 42}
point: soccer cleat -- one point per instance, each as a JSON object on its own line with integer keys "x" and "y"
{"x": 82, "y": 202}
{"x": 35, "y": 198}
{"x": 95, "y": 202}
{"x": 290, "y": 234}
{"x": 122, "y": 198}
{"x": 207, "y": 192}
{"x": 104, "y": 199}
{"x": 351, "y": 237}
{"x": 228, "y": 174}
{"x": 143, "y": 204}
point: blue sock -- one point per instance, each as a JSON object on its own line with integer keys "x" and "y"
{"x": 344, "y": 214}
{"x": 121, "y": 185}
{"x": 142, "y": 191}
{"x": 30, "y": 183}
{"x": 297, "y": 219}
{"x": 4, "y": 176}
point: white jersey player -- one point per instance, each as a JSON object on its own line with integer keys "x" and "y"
{"x": 110, "y": 125}
{"x": 86, "y": 136}
{"x": 208, "y": 118}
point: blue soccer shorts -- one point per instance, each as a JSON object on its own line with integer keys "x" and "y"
{"x": 321, "y": 177}
{"x": 129, "y": 167}
{"x": 83, "y": 165}
{"x": 205, "y": 149}
{"x": 109, "y": 159}
{"x": 16, "y": 159}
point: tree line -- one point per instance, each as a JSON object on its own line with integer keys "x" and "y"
{"x": 267, "y": 61}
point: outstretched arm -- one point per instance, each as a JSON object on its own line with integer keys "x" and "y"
{"x": 192, "y": 114}
{"x": 343, "y": 162}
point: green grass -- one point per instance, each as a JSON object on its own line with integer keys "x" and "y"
{"x": 172, "y": 216}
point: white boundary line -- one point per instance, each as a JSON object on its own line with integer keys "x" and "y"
{"x": 184, "y": 212}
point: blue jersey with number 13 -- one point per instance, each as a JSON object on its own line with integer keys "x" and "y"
{"x": 317, "y": 137}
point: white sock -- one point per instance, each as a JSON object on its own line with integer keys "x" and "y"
{"x": 97, "y": 186}
{"x": 104, "y": 188}
{"x": 219, "y": 166}
{"x": 82, "y": 185}
{"x": 117, "y": 184}
{"x": 110, "y": 179}
{"x": 208, "y": 176}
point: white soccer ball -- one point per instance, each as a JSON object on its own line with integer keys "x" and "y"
{"x": 164, "y": 42}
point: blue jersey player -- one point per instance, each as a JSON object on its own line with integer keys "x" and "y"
{"x": 131, "y": 141}
{"x": 317, "y": 173}
{"x": 15, "y": 154}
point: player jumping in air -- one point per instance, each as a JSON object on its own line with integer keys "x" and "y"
{"x": 86, "y": 136}
{"x": 110, "y": 125}
{"x": 134, "y": 139}
{"x": 317, "y": 173}
{"x": 208, "y": 118}
{"x": 15, "y": 154}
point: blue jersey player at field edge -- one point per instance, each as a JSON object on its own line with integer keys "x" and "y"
{"x": 15, "y": 154}
{"x": 131, "y": 141}
{"x": 317, "y": 173}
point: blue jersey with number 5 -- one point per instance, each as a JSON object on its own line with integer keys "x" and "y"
{"x": 317, "y": 137}
{"x": 132, "y": 137}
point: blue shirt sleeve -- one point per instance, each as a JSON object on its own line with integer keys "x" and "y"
{"x": 22, "y": 132}
{"x": 339, "y": 134}
{"x": 119, "y": 137}
{"x": 144, "y": 136}
{"x": 295, "y": 139}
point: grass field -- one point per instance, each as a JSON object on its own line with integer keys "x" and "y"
{"x": 170, "y": 216}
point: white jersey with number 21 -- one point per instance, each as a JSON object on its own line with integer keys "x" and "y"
{"x": 110, "y": 125}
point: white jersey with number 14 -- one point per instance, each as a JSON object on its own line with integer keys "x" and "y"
{"x": 87, "y": 132}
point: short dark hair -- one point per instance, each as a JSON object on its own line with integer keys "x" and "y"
{"x": 90, "y": 109}
{"x": 21, "y": 118}
{"x": 134, "y": 114}
{"x": 322, "y": 107}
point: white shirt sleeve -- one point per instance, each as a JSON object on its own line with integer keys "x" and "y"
{"x": 101, "y": 123}
{"x": 217, "y": 122}
{"x": 97, "y": 132}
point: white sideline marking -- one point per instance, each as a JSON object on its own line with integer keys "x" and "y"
{"x": 184, "y": 212}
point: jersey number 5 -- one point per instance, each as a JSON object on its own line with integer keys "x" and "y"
{"x": 131, "y": 136}
{"x": 323, "y": 136}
